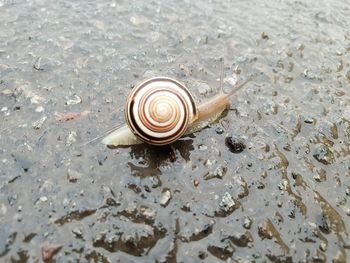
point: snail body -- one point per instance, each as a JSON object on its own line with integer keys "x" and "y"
{"x": 161, "y": 110}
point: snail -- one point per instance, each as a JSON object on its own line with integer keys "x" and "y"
{"x": 161, "y": 110}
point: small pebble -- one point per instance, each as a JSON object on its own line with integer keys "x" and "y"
{"x": 7, "y": 92}
{"x": 232, "y": 81}
{"x": 321, "y": 176}
{"x": 204, "y": 88}
{"x": 219, "y": 130}
{"x": 43, "y": 199}
{"x": 219, "y": 173}
{"x": 37, "y": 64}
{"x": 39, "y": 109}
{"x": 77, "y": 232}
{"x": 283, "y": 185}
{"x": 71, "y": 138}
{"x": 202, "y": 147}
{"x": 148, "y": 213}
{"x": 323, "y": 246}
{"x": 324, "y": 154}
{"x": 209, "y": 162}
{"x": 35, "y": 99}
{"x": 235, "y": 145}
{"x": 202, "y": 254}
{"x": 154, "y": 181}
{"x": 300, "y": 46}
{"x": 186, "y": 207}
{"x": 73, "y": 176}
{"x": 227, "y": 203}
{"x": 39, "y": 123}
{"x": 74, "y": 100}
{"x": 138, "y": 20}
{"x": 165, "y": 198}
{"x": 265, "y": 229}
{"x": 264, "y": 35}
{"x": 247, "y": 223}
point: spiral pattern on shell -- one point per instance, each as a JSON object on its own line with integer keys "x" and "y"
{"x": 159, "y": 110}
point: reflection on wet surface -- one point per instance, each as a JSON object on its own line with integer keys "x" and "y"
{"x": 269, "y": 182}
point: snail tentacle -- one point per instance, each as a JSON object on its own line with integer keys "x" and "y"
{"x": 107, "y": 132}
{"x": 237, "y": 88}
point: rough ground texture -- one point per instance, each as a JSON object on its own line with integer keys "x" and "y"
{"x": 270, "y": 182}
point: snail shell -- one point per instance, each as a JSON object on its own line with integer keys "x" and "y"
{"x": 160, "y": 110}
